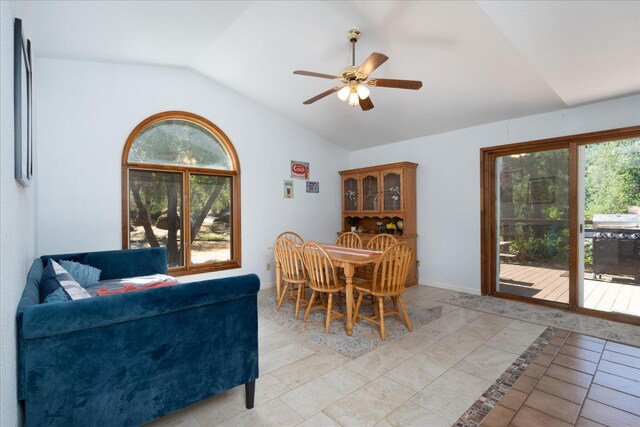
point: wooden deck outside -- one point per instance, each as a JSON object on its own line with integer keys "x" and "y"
{"x": 553, "y": 285}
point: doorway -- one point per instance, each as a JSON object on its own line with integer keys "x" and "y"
{"x": 561, "y": 223}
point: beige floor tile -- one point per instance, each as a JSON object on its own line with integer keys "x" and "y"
{"x": 231, "y": 403}
{"x": 275, "y": 341}
{"x": 379, "y": 361}
{"x": 319, "y": 420}
{"x": 457, "y": 345}
{"x": 323, "y": 391}
{"x": 420, "y": 339}
{"x": 283, "y": 356}
{"x": 486, "y": 326}
{"x": 486, "y": 362}
{"x": 411, "y": 415}
{"x": 451, "y": 394}
{"x": 266, "y": 328}
{"x": 516, "y": 337}
{"x": 369, "y": 404}
{"x": 304, "y": 370}
{"x": 417, "y": 372}
{"x": 275, "y": 414}
{"x": 455, "y": 320}
{"x": 178, "y": 419}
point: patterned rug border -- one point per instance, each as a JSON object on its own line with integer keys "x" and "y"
{"x": 489, "y": 399}
{"x": 601, "y": 328}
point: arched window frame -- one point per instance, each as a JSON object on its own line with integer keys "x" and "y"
{"x": 234, "y": 173}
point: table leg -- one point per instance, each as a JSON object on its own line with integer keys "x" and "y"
{"x": 348, "y": 273}
{"x": 278, "y": 280}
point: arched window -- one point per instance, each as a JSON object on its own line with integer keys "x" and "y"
{"x": 177, "y": 165}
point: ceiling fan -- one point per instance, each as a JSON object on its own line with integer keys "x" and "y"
{"x": 354, "y": 78}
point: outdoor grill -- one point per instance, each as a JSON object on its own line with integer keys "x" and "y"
{"x": 616, "y": 244}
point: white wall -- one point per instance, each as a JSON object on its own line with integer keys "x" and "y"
{"x": 17, "y": 226}
{"x": 448, "y": 181}
{"x": 88, "y": 110}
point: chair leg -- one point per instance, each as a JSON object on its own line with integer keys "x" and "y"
{"x": 283, "y": 293}
{"x": 324, "y": 304}
{"x": 340, "y": 299}
{"x": 328, "y": 321}
{"x": 395, "y": 303}
{"x": 357, "y": 311}
{"x": 405, "y": 314}
{"x": 381, "y": 311}
{"x": 306, "y": 313}
{"x": 300, "y": 292}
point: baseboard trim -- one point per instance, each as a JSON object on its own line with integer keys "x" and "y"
{"x": 451, "y": 287}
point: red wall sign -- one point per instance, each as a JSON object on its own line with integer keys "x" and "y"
{"x": 299, "y": 170}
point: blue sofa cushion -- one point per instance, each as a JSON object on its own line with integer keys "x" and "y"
{"x": 84, "y": 274}
{"x": 57, "y": 296}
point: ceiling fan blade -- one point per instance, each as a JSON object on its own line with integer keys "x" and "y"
{"x": 313, "y": 74}
{"x": 373, "y": 61}
{"x": 398, "y": 84}
{"x": 366, "y": 104}
{"x": 322, "y": 95}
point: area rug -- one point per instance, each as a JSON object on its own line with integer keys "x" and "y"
{"x": 601, "y": 328}
{"x": 365, "y": 337}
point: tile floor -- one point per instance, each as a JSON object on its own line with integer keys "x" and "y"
{"x": 577, "y": 380}
{"x": 426, "y": 378}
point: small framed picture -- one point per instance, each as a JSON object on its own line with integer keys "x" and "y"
{"x": 23, "y": 97}
{"x": 288, "y": 189}
{"x": 299, "y": 170}
{"x": 313, "y": 187}
{"x": 542, "y": 190}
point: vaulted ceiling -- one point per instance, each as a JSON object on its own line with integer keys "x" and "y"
{"x": 480, "y": 61}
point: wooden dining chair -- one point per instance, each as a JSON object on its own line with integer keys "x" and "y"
{"x": 293, "y": 273}
{"x": 381, "y": 242}
{"x": 389, "y": 274}
{"x": 323, "y": 279}
{"x": 290, "y": 235}
{"x": 349, "y": 240}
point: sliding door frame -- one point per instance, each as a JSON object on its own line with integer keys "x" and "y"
{"x": 488, "y": 156}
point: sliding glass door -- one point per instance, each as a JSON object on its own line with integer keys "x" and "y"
{"x": 561, "y": 223}
{"x": 609, "y": 208}
{"x": 532, "y": 218}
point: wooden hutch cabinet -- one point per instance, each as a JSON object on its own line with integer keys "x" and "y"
{"x": 382, "y": 194}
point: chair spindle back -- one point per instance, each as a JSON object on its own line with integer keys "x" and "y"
{"x": 390, "y": 271}
{"x": 322, "y": 273}
{"x": 349, "y": 240}
{"x": 290, "y": 259}
{"x": 290, "y": 235}
{"x": 381, "y": 242}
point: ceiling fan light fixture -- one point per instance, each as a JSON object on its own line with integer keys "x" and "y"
{"x": 344, "y": 93}
{"x": 354, "y": 99}
{"x": 363, "y": 91}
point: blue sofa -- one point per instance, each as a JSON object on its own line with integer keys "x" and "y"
{"x": 126, "y": 359}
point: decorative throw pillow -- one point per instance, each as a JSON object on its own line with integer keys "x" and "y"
{"x": 48, "y": 282}
{"x": 57, "y": 296}
{"x": 84, "y": 274}
{"x": 54, "y": 277}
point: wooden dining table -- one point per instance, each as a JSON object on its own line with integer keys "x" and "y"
{"x": 348, "y": 259}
